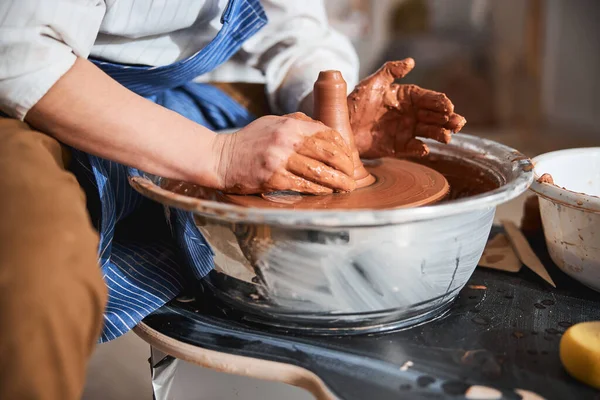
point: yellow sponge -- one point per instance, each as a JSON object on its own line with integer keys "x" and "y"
{"x": 580, "y": 352}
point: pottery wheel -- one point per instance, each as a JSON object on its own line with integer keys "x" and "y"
{"x": 399, "y": 184}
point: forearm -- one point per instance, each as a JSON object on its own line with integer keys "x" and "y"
{"x": 88, "y": 110}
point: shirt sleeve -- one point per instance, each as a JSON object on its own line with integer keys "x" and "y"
{"x": 39, "y": 42}
{"x": 295, "y": 45}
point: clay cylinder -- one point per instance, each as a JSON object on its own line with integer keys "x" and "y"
{"x": 331, "y": 108}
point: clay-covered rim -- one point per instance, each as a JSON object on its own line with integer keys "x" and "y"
{"x": 512, "y": 170}
{"x": 559, "y": 195}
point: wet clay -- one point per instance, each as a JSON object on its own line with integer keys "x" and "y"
{"x": 387, "y": 117}
{"x": 546, "y": 178}
{"x": 331, "y": 108}
{"x": 387, "y": 183}
{"x": 464, "y": 180}
{"x": 397, "y": 184}
{"x": 391, "y": 116}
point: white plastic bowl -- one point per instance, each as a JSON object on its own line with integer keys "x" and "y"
{"x": 570, "y": 211}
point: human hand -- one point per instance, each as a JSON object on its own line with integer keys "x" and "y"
{"x": 387, "y": 118}
{"x": 292, "y": 152}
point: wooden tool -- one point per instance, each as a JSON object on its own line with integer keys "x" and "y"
{"x": 525, "y": 253}
{"x": 499, "y": 254}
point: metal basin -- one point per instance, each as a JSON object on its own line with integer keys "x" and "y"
{"x": 351, "y": 271}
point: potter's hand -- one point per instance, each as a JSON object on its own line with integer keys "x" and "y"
{"x": 292, "y": 152}
{"x": 386, "y": 117}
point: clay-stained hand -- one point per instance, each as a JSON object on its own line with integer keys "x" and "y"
{"x": 293, "y": 152}
{"x": 387, "y": 118}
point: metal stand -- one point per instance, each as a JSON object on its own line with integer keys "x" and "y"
{"x": 162, "y": 368}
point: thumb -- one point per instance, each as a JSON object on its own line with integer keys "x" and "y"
{"x": 392, "y": 70}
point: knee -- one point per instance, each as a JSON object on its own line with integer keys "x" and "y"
{"x": 71, "y": 278}
{"x": 55, "y": 279}
{"x": 60, "y": 305}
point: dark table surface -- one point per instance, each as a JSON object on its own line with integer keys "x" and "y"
{"x": 503, "y": 331}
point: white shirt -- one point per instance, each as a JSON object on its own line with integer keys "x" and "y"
{"x": 40, "y": 40}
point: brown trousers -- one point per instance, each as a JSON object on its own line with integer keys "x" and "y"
{"x": 52, "y": 295}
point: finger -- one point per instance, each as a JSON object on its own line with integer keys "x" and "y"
{"x": 393, "y": 70}
{"x": 404, "y": 132}
{"x": 328, "y": 153}
{"x": 414, "y": 147}
{"x": 285, "y": 180}
{"x": 333, "y": 137}
{"x": 319, "y": 173}
{"x": 390, "y": 71}
{"x": 324, "y": 132}
{"x": 432, "y": 117}
{"x": 430, "y": 100}
{"x": 434, "y": 132}
{"x": 455, "y": 123}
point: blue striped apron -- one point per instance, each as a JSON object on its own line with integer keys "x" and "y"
{"x": 143, "y": 273}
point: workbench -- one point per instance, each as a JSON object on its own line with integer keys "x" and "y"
{"x": 502, "y": 334}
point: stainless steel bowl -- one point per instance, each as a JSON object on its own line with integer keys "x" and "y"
{"x": 343, "y": 271}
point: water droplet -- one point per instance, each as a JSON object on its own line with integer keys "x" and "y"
{"x": 548, "y": 302}
{"x": 552, "y": 331}
{"x": 565, "y": 324}
{"x": 509, "y": 296}
{"x": 539, "y": 306}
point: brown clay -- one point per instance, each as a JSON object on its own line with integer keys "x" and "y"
{"x": 387, "y": 118}
{"x": 331, "y": 108}
{"x": 546, "y": 178}
{"x": 398, "y": 184}
{"x": 464, "y": 179}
